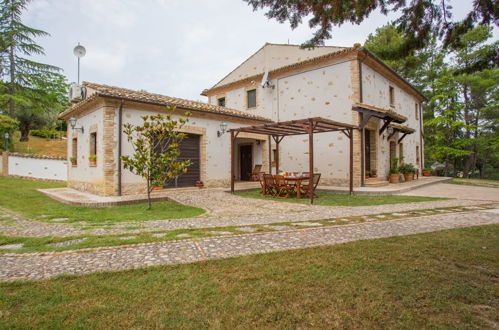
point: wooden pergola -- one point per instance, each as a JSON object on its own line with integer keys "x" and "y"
{"x": 277, "y": 131}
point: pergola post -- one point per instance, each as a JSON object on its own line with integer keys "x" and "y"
{"x": 270, "y": 155}
{"x": 311, "y": 160}
{"x": 351, "y": 160}
{"x": 232, "y": 138}
{"x": 277, "y": 155}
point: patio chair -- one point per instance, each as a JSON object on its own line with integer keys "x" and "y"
{"x": 254, "y": 174}
{"x": 282, "y": 186}
{"x": 261, "y": 179}
{"x": 268, "y": 180}
{"x": 315, "y": 182}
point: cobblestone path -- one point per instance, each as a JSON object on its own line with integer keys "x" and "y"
{"x": 44, "y": 265}
{"x": 23, "y": 227}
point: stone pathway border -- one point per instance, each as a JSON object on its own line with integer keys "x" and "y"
{"x": 44, "y": 265}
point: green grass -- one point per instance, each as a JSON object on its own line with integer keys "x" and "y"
{"x": 475, "y": 182}
{"x": 333, "y": 199}
{"x": 20, "y": 195}
{"x": 445, "y": 279}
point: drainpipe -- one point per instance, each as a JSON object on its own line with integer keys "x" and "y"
{"x": 120, "y": 133}
{"x": 362, "y": 132}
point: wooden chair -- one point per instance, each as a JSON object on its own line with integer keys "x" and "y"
{"x": 315, "y": 182}
{"x": 282, "y": 186}
{"x": 268, "y": 180}
{"x": 254, "y": 174}
{"x": 261, "y": 179}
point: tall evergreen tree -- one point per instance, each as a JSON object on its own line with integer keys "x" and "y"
{"x": 20, "y": 76}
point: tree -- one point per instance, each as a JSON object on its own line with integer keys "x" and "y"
{"x": 7, "y": 125}
{"x": 419, "y": 19}
{"x": 156, "y": 145}
{"x": 21, "y": 76}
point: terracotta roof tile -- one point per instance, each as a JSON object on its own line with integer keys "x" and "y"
{"x": 157, "y": 99}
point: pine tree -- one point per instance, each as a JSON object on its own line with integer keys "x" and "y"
{"x": 19, "y": 74}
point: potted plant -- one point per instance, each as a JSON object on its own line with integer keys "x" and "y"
{"x": 408, "y": 171}
{"x": 427, "y": 171}
{"x": 199, "y": 184}
{"x": 73, "y": 161}
{"x": 374, "y": 173}
{"x": 157, "y": 186}
{"x": 367, "y": 175}
{"x": 92, "y": 160}
{"x": 394, "y": 171}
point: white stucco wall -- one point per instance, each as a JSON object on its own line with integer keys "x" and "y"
{"x": 376, "y": 92}
{"x": 39, "y": 168}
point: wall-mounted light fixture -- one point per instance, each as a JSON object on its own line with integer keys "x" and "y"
{"x": 223, "y": 129}
{"x": 72, "y": 122}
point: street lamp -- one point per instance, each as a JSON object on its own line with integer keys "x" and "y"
{"x": 223, "y": 129}
{"x": 72, "y": 122}
{"x": 6, "y": 136}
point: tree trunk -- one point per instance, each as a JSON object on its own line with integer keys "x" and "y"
{"x": 149, "y": 195}
{"x": 24, "y": 134}
{"x": 446, "y": 169}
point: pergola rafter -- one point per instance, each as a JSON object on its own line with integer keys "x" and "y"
{"x": 277, "y": 131}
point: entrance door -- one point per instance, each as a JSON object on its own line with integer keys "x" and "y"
{"x": 392, "y": 152}
{"x": 245, "y": 162}
{"x": 367, "y": 144}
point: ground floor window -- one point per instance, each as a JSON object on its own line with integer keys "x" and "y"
{"x": 417, "y": 155}
{"x": 93, "y": 144}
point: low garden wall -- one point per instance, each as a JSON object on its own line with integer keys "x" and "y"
{"x": 34, "y": 166}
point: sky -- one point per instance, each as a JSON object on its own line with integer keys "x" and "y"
{"x": 172, "y": 47}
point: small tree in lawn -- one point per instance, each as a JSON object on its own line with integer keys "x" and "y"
{"x": 156, "y": 145}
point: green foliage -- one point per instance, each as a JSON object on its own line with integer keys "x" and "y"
{"x": 156, "y": 145}
{"x": 394, "y": 168}
{"x": 73, "y": 160}
{"x": 405, "y": 168}
{"x": 7, "y": 125}
{"x": 45, "y": 133}
{"x": 419, "y": 21}
{"x": 92, "y": 157}
{"x": 34, "y": 93}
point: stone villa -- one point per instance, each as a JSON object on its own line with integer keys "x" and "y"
{"x": 278, "y": 83}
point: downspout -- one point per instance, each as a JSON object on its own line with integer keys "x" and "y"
{"x": 421, "y": 165}
{"x": 362, "y": 132}
{"x": 120, "y": 133}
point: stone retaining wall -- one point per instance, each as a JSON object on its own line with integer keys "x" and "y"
{"x": 34, "y": 166}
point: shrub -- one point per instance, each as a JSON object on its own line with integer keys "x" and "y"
{"x": 45, "y": 133}
{"x": 92, "y": 157}
{"x": 407, "y": 168}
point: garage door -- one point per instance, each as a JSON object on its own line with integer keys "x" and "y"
{"x": 189, "y": 149}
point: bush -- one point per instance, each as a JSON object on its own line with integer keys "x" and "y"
{"x": 407, "y": 168}
{"x": 7, "y": 125}
{"x": 45, "y": 133}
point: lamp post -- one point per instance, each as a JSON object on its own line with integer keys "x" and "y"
{"x": 6, "y": 136}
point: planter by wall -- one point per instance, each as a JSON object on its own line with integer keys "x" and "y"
{"x": 426, "y": 173}
{"x": 394, "y": 178}
{"x": 92, "y": 162}
{"x": 408, "y": 176}
{"x": 157, "y": 188}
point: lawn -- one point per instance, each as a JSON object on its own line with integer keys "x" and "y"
{"x": 445, "y": 279}
{"x": 475, "y": 182}
{"x": 332, "y": 199}
{"x": 42, "y": 146}
{"x": 20, "y": 195}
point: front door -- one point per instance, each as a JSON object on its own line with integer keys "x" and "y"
{"x": 246, "y": 162}
{"x": 367, "y": 144}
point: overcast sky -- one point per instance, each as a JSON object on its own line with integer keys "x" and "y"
{"x": 172, "y": 47}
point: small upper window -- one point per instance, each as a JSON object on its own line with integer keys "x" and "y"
{"x": 74, "y": 149}
{"x": 251, "y": 98}
{"x": 221, "y": 101}
{"x": 392, "y": 96}
{"x": 416, "y": 111}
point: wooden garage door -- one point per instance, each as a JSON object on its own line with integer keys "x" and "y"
{"x": 189, "y": 149}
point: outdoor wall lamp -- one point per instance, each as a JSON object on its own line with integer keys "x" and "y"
{"x": 389, "y": 130}
{"x": 72, "y": 122}
{"x": 6, "y": 136}
{"x": 223, "y": 129}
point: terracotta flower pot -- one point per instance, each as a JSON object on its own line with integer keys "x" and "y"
{"x": 199, "y": 185}
{"x": 92, "y": 162}
{"x": 426, "y": 173}
{"x": 394, "y": 178}
{"x": 157, "y": 188}
{"x": 74, "y": 163}
{"x": 409, "y": 176}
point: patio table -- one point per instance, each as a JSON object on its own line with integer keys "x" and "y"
{"x": 297, "y": 180}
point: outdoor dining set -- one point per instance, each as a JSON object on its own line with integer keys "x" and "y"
{"x": 288, "y": 183}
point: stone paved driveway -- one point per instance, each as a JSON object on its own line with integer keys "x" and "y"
{"x": 37, "y": 266}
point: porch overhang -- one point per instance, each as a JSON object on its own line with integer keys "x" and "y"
{"x": 405, "y": 130}
{"x": 387, "y": 115}
{"x": 310, "y": 126}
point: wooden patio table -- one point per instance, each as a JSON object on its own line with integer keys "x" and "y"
{"x": 297, "y": 180}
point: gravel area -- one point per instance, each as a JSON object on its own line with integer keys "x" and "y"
{"x": 45, "y": 265}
